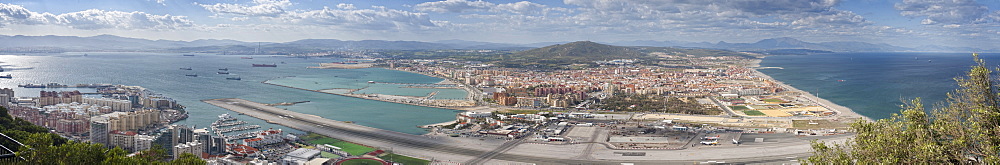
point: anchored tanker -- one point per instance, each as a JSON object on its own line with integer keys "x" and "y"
{"x": 265, "y": 65}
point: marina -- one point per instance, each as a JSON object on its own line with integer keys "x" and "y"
{"x": 227, "y": 124}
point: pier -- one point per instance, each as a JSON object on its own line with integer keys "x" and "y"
{"x": 239, "y": 128}
{"x": 227, "y": 124}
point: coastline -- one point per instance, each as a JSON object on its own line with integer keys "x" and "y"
{"x": 469, "y": 93}
{"x": 843, "y": 113}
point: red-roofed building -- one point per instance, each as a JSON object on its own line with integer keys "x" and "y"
{"x": 269, "y": 136}
{"x": 243, "y": 150}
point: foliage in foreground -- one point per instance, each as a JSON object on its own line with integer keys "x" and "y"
{"x": 43, "y": 147}
{"x": 963, "y": 130}
{"x": 42, "y": 151}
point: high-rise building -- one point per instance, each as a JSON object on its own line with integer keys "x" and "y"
{"x": 174, "y": 135}
{"x": 6, "y": 96}
{"x": 5, "y": 100}
{"x": 195, "y": 148}
{"x": 99, "y": 129}
{"x": 131, "y": 121}
{"x": 213, "y": 144}
{"x": 122, "y": 139}
{"x": 143, "y": 142}
{"x": 53, "y": 97}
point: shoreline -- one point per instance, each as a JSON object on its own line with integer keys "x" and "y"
{"x": 469, "y": 94}
{"x": 842, "y": 111}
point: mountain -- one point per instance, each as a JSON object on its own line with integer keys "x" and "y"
{"x": 580, "y": 52}
{"x": 782, "y": 43}
{"x": 102, "y": 42}
{"x": 463, "y": 44}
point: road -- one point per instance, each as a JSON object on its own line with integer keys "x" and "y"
{"x": 423, "y": 145}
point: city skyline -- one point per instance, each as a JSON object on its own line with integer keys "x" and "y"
{"x": 964, "y": 23}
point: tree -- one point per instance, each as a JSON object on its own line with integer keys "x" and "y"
{"x": 962, "y": 130}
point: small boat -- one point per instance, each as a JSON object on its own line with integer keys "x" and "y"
{"x": 7, "y": 76}
{"x": 223, "y": 72}
{"x": 928, "y": 60}
{"x": 233, "y": 78}
{"x": 1, "y": 69}
{"x": 192, "y": 75}
{"x": 224, "y": 69}
{"x": 188, "y": 55}
{"x": 188, "y": 68}
{"x": 246, "y": 57}
{"x": 841, "y": 80}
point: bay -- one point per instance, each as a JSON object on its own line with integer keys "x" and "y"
{"x": 875, "y": 84}
{"x": 161, "y": 73}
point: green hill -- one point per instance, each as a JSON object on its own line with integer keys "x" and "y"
{"x": 580, "y": 52}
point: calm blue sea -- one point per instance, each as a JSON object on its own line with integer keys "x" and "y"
{"x": 875, "y": 84}
{"x": 161, "y": 73}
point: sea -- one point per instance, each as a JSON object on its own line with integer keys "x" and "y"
{"x": 872, "y": 84}
{"x": 161, "y": 73}
{"x": 875, "y": 85}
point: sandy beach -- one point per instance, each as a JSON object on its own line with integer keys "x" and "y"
{"x": 843, "y": 113}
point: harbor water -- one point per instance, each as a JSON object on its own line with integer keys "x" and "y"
{"x": 161, "y": 73}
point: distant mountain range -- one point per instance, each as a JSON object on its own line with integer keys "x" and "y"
{"x": 562, "y": 55}
{"x": 787, "y": 43}
{"x": 116, "y": 43}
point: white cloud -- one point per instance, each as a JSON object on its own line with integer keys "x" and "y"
{"x": 523, "y": 7}
{"x": 377, "y": 18}
{"x": 465, "y": 6}
{"x": 92, "y": 19}
{"x": 101, "y": 19}
{"x": 454, "y": 6}
{"x": 945, "y": 12}
{"x": 269, "y": 8}
{"x": 346, "y": 6}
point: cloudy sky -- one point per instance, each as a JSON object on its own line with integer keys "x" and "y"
{"x": 971, "y": 23}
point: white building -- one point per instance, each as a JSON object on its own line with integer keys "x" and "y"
{"x": 194, "y": 147}
{"x": 299, "y": 157}
{"x": 270, "y": 136}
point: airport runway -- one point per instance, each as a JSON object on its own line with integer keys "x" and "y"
{"x": 423, "y": 145}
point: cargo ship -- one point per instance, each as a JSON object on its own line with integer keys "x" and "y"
{"x": 265, "y": 65}
{"x": 7, "y": 76}
{"x": 188, "y": 55}
{"x": 223, "y": 72}
{"x": 1, "y": 69}
{"x": 224, "y": 69}
{"x": 188, "y": 68}
{"x": 246, "y": 57}
{"x": 233, "y": 78}
{"x": 192, "y": 75}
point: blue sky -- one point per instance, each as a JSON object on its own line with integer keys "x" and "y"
{"x": 966, "y": 23}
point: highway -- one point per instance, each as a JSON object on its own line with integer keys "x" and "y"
{"x": 417, "y": 144}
